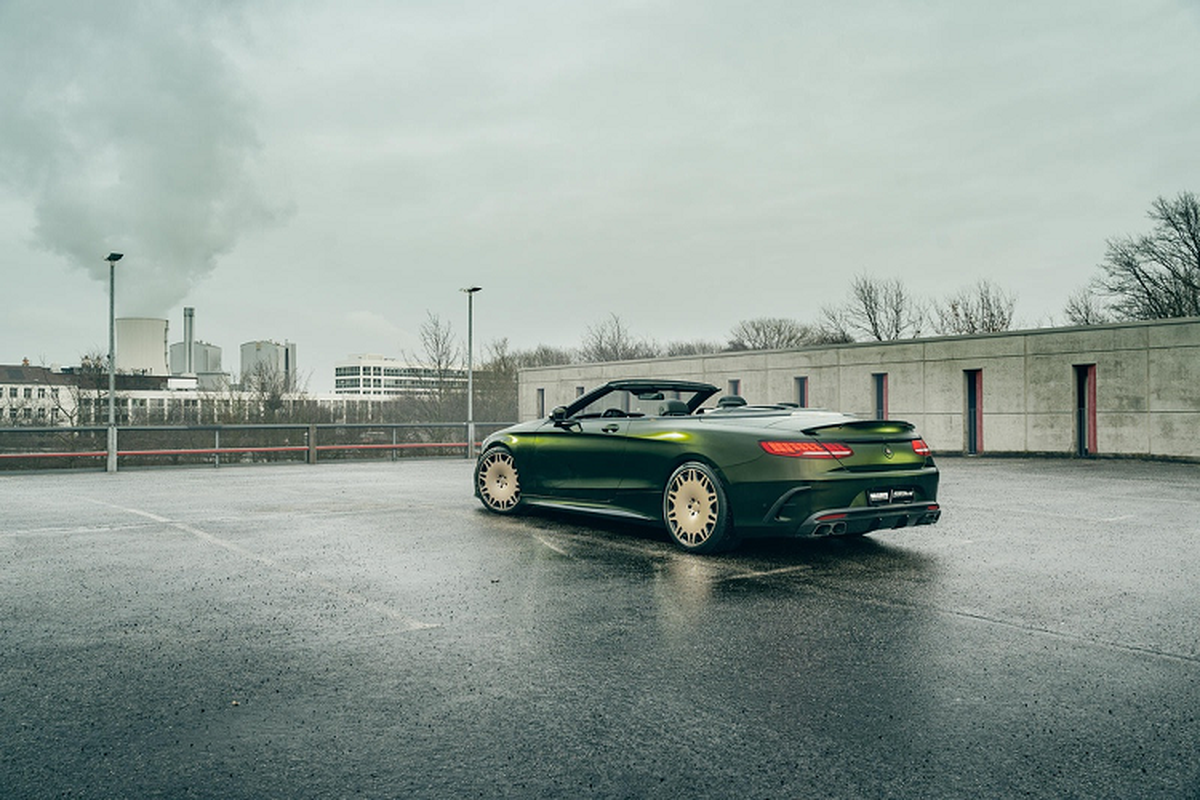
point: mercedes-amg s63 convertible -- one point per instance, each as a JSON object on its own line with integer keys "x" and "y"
{"x": 653, "y": 450}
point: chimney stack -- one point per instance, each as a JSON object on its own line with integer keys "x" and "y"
{"x": 189, "y": 341}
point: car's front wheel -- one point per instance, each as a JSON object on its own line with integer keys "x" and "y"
{"x": 497, "y": 481}
{"x": 696, "y": 511}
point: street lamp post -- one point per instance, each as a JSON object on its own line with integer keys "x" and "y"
{"x": 112, "y": 260}
{"x": 470, "y": 292}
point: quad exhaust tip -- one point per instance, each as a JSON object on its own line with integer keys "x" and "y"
{"x": 834, "y": 525}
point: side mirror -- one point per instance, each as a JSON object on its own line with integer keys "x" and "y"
{"x": 560, "y": 419}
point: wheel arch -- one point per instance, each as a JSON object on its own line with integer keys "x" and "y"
{"x": 691, "y": 455}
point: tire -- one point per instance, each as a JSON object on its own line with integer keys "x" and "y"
{"x": 695, "y": 510}
{"x": 497, "y": 482}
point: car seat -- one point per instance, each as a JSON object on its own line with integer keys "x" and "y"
{"x": 673, "y": 408}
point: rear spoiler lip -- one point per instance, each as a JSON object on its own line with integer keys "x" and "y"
{"x": 864, "y": 426}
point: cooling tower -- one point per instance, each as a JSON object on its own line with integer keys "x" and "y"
{"x": 142, "y": 346}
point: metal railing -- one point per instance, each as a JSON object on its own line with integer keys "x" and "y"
{"x": 215, "y": 445}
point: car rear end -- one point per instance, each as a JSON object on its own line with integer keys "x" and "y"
{"x": 839, "y": 478}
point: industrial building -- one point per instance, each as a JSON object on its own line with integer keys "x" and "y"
{"x": 270, "y": 358}
{"x": 196, "y": 358}
{"x": 372, "y": 376}
{"x": 34, "y": 396}
{"x": 1125, "y": 389}
{"x": 155, "y": 384}
{"x": 141, "y": 346}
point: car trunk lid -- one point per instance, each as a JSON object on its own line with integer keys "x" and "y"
{"x": 876, "y": 444}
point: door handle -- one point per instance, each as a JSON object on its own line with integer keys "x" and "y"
{"x": 611, "y": 427}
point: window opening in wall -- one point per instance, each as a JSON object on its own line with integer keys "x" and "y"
{"x": 802, "y": 391}
{"x": 735, "y": 386}
{"x": 881, "y": 395}
{"x": 1085, "y": 409}
{"x": 541, "y": 403}
{"x": 579, "y": 391}
{"x": 974, "y": 418}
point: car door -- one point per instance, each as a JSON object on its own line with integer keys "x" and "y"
{"x": 580, "y": 460}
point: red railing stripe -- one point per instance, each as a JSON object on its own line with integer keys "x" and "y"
{"x": 96, "y": 454}
{"x": 405, "y": 446}
{"x": 196, "y": 451}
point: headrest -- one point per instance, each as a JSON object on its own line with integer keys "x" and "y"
{"x": 673, "y": 408}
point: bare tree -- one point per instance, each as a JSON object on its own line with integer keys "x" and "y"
{"x": 90, "y": 389}
{"x": 696, "y": 347}
{"x": 879, "y": 309}
{"x": 442, "y": 357}
{"x": 497, "y": 375}
{"x": 1157, "y": 275}
{"x": 982, "y": 308}
{"x": 496, "y": 383}
{"x": 269, "y": 393}
{"x": 1085, "y": 308}
{"x": 544, "y": 355}
{"x": 770, "y": 333}
{"x": 610, "y": 340}
{"x": 442, "y": 352}
{"x": 834, "y": 327}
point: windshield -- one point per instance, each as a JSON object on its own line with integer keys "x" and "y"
{"x": 628, "y": 403}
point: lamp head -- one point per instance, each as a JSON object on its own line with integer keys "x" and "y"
{"x": 472, "y": 289}
{"x": 114, "y": 257}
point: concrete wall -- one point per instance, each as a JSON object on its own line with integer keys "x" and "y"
{"x": 1147, "y": 385}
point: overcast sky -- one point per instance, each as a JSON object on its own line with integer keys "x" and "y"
{"x": 331, "y": 172}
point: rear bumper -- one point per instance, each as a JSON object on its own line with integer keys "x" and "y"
{"x": 860, "y": 520}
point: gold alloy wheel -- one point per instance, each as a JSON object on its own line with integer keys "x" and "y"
{"x": 692, "y": 506}
{"x": 499, "y": 484}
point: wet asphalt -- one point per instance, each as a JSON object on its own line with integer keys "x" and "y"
{"x": 367, "y": 630}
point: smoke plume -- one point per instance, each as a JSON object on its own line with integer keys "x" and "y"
{"x": 126, "y": 126}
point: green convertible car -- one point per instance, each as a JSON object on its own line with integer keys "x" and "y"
{"x": 653, "y": 451}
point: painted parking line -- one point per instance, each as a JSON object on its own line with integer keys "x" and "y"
{"x": 407, "y": 622}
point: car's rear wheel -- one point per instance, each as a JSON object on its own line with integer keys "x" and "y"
{"x": 498, "y": 482}
{"x": 696, "y": 511}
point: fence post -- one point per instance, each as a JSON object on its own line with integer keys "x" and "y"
{"x": 217, "y": 445}
{"x": 111, "y": 448}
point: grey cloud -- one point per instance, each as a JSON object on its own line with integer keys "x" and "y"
{"x": 129, "y": 130}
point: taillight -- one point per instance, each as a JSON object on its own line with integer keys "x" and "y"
{"x": 920, "y": 448}
{"x": 807, "y": 449}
